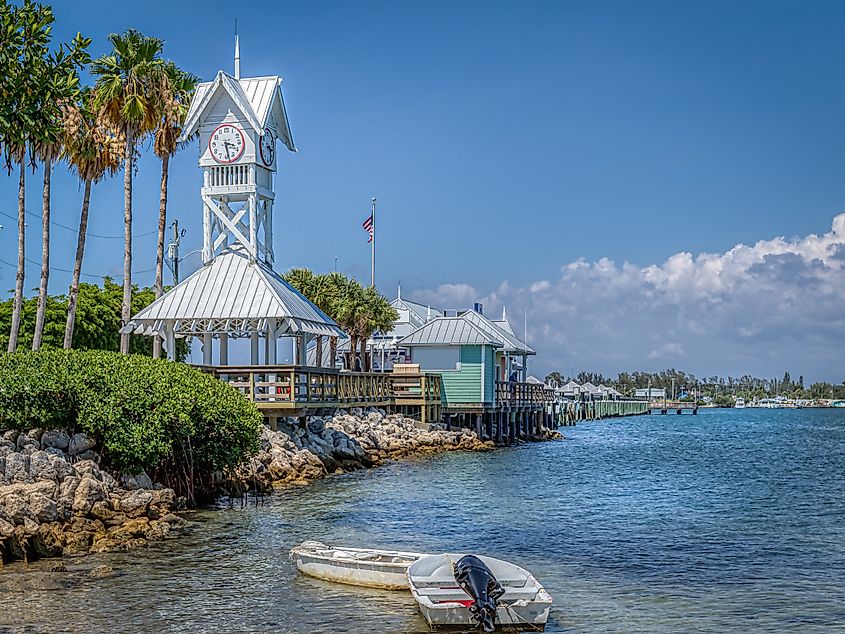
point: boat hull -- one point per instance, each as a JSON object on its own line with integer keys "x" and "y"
{"x": 530, "y": 615}
{"x": 524, "y": 605}
{"x": 354, "y": 566}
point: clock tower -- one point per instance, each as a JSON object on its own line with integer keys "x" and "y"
{"x": 239, "y": 121}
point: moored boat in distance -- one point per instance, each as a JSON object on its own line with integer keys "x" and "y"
{"x": 524, "y": 605}
{"x": 372, "y": 568}
{"x": 740, "y": 403}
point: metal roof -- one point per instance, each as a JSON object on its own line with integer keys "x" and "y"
{"x": 511, "y": 342}
{"x": 234, "y": 295}
{"x": 449, "y": 331}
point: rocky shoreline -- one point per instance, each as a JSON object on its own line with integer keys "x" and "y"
{"x": 55, "y": 500}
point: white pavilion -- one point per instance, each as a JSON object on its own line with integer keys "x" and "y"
{"x": 236, "y": 293}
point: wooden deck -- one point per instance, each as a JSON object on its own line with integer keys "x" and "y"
{"x": 287, "y": 390}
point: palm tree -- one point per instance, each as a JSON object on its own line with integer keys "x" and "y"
{"x": 173, "y": 105}
{"x": 92, "y": 152}
{"x": 25, "y": 40}
{"x": 130, "y": 81}
{"x": 58, "y": 81}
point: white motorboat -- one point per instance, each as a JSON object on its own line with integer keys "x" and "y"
{"x": 384, "y": 569}
{"x": 740, "y": 403}
{"x": 443, "y": 603}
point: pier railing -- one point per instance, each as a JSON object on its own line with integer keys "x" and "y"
{"x": 289, "y": 387}
{"x": 515, "y": 394}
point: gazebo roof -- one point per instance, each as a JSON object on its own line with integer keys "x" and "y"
{"x": 233, "y": 295}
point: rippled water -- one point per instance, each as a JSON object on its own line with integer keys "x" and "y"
{"x": 725, "y": 521}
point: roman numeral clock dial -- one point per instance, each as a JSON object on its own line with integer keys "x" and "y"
{"x": 226, "y": 143}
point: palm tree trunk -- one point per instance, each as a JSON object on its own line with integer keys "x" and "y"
{"x": 126, "y": 306}
{"x": 162, "y": 221}
{"x": 319, "y": 351}
{"x": 365, "y": 362}
{"x": 45, "y": 257}
{"x": 333, "y": 352}
{"x": 353, "y": 352}
{"x": 77, "y": 267}
{"x": 17, "y": 303}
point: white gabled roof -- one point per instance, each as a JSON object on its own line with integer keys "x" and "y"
{"x": 511, "y": 342}
{"x": 233, "y": 295}
{"x": 449, "y": 331}
{"x": 259, "y": 98}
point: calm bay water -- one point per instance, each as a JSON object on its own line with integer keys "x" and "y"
{"x": 725, "y": 521}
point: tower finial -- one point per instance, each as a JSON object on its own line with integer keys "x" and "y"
{"x": 237, "y": 53}
{"x": 504, "y": 313}
{"x": 399, "y": 291}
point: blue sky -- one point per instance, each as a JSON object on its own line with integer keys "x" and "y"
{"x": 506, "y": 141}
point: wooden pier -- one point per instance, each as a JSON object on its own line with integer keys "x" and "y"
{"x": 572, "y": 412}
{"x": 518, "y": 411}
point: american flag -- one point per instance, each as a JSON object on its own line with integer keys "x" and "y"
{"x": 368, "y": 227}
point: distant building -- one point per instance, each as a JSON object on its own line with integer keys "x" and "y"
{"x": 653, "y": 393}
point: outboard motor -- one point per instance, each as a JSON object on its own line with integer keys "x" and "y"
{"x": 476, "y": 579}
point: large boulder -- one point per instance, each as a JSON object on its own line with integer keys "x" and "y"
{"x": 138, "y": 481}
{"x": 29, "y": 442}
{"x": 6, "y": 447}
{"x": 88, "y": 468}
{"x": 80, "y": 443}
{"x": 55, "y": 439}
{"x": 41, "y": 466}
{"x": 136, "y": 503}
{"x": 43, "y": 507}
{"x": 316, "y": 424}
{"x": 17, "y": 509}
{"x": 17, "y": 468}
{"x": 89, "y": 491}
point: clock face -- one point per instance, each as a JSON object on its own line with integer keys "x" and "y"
{"x": 227, "y": 143}
{"x": 268, "y": 147}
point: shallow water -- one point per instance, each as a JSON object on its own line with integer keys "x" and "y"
{"x": 725, "y": 521}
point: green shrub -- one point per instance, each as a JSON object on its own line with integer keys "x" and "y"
{"x": 151, "y": 414}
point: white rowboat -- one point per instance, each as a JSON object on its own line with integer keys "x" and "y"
{"x": 368, "y": 567}
{"x": 525, "y": 604}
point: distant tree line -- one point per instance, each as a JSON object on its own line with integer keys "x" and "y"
{"x": 721, "y": 389}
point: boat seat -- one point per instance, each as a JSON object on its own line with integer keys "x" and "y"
{"x": 434, "y": 582}
{"x": 437, "y": 595}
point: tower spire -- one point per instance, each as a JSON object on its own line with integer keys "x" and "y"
{"x": 399, "y": 291}
{"x": 237, "y": 53}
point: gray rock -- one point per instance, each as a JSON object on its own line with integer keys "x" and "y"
{"x": 89, "y": 468}
{"x": 136, "y": 503}
{"x": 67, "y": 489}
{"x": 58, "y": 453}
{"x": 6, "y": 447}
{"x": 10, "y": 435}
{"x": 2, "y": 466}
{"x": 63, "y": 467}
{"x": 55, "y": 439}
{"x": 80, "y": 443}
{"x": 17, "y": 508}
{"x": 41, "y": 466}
{"x": 43, "y": 507}
{"x": 25, "y": 441}
{"x": 138, "y": 481}
{"x": 17, "y": 468}
{"x": 89, "y": 491}
{"x": 315, "y": 424}
{"x": 90, "y": 454}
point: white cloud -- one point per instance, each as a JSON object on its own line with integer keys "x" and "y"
{"x": 778, "y": 304}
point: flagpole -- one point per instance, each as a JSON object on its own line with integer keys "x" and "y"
{"x": 373, "y": 245}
